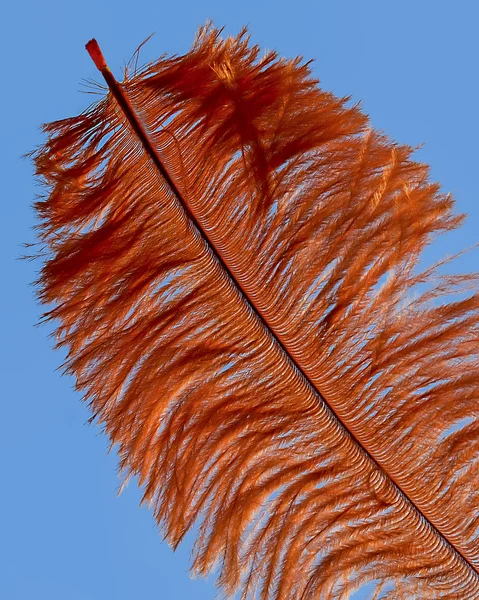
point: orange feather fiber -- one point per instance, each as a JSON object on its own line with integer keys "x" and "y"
{"x": 252, "y": 327}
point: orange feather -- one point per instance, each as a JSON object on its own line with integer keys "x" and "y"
{"x": 234, "y": 271}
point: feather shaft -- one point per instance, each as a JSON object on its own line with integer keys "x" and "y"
{"x": 129, "y": 112}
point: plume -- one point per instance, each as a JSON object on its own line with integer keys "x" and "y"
{"x": 233, "y": 265}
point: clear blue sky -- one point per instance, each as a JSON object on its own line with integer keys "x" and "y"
{"x": 65, "y": 535}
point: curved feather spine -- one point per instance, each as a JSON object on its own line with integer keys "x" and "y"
{"x": 139, "y": 130}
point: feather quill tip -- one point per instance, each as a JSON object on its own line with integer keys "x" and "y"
{"x": 96, "y": 54}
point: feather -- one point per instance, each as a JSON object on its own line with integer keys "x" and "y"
{"x": 234, "y": 270}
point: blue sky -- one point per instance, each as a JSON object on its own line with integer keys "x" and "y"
{"x": 65, "y": 533}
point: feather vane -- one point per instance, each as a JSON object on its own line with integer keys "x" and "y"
{"x": 256, "y": 339}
